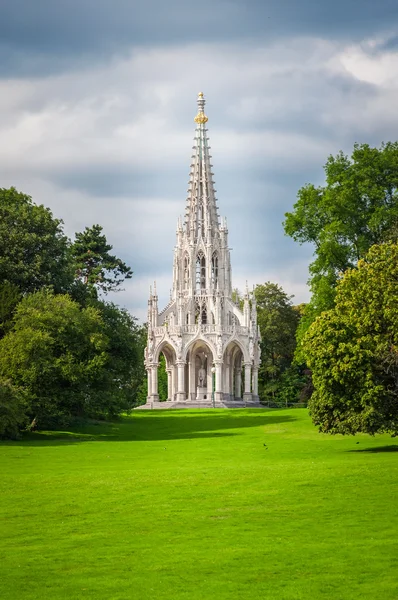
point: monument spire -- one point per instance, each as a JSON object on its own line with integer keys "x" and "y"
{"x": 206, "y": 339}
{"x": 201, "y": 215}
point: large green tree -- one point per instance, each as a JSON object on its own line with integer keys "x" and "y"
{"x": 34, "y": 251}
{"x": 277, "y": 319}
{"x": 58, "y": 353}
{"x": 352, "y": 349}
{"x": 126, "y": 342}
{"x": 95, "y": 267}
{"x": 355, "y": 209}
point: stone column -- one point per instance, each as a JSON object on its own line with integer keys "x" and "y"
{"x": 173, "y": 382}
{"x": 148, "y": 396}
{"x": 192, "y": 389}
{"x": 231, "y": 382}
{"x": 218, "y": 394}
{"x": 255, "y": 383}
{"x": 154, "y": 383}
{"x": 209, "y": 380}
{"x": 227, "y": 389}
{"x": 180, "y": 381}
{"x": 169, "y": 386}
{"x": 238, "y": 382}
{"x": 247, "y": 394}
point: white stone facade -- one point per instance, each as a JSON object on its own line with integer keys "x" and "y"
{"x": 211, "y": 346}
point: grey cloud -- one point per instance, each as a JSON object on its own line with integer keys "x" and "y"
{"x": 47, "y": 36}
{"x": 112, "y": 146}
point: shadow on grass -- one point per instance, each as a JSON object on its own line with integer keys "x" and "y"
{"x": 159, "y": 426}
{"x": 376, "y": 449}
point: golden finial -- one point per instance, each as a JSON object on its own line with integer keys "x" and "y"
{"x": 201, "y": 117}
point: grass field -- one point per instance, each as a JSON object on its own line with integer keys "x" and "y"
{"x": 193, "y": 505}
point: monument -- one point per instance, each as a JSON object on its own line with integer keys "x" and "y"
{"x": 211, "y": 345}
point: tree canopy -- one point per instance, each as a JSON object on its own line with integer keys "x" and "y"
{"x": 352, "y": 349}
{"x": 355, "y": 209}
{"x": 95, "y": 267}
{"x": 277, "y": 319}
{"x": 34, "y": 251}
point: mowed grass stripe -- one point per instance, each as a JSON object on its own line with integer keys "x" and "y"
{"x": 199, "y": 504}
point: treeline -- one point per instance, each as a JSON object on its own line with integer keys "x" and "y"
{"x": 65, "y": 352}
{"x": 348, "y": 333}
{"x": 339, "y": 352}
{"x": 282, "y": 380}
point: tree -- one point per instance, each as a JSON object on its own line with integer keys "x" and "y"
{"x": 12, "y": 410}
{"x": 277, "y": 319}
{"x": 352, "y": 350}
{"x": 57, "y": 353}
{"x": 357, "y": 208}
{"x": 95, "y": 267}
{"x": 126, "y": 342}
{"x": 10, "y": 295}
{"x": 34, "y": 252}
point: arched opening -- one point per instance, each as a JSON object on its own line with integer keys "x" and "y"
{"x": 233, "y": 374}
{"x": 200, "y": 278}
{"x": 201, "y": 312}
{"x": 162, "y": 380}
{"x": 199, "y": 374}
{"x": 214, "y": 269}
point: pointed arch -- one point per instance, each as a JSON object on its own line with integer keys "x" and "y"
{"x": 168, "y": 350}
{"x": 200, "y": 340}
{"x": 214, "y": 269}
{"x": 234, "y": 341}
{"x": 200, "y": 273}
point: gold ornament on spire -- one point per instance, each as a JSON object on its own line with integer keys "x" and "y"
{"x": 201, "y": 117}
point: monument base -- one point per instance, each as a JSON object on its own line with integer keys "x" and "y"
{"x": 201, "y": 393}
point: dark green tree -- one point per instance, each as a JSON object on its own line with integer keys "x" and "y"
{"x": 126, "y": 342}
{"x": 13, "y": 409}
{"x": 58, "y": 354}
{"x": 34, "y": 252}
{"x": 355, "y": 209}
{"x": 352, "y": 350}
{"x": 277, "y": 319}
{"x": 95, "y": 267}
{"x": 10, "y": 295}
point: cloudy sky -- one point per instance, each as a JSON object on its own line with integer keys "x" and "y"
{"x": 97, "y": 99}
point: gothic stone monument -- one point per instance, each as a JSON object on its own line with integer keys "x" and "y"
{"x": 211, "y": 346}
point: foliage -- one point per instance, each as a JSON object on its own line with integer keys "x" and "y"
{"x": 353, "y": 350}
{"x": 277, "y": 319}
{"x": 162, "y": 378}
{"x": 10, "y": 295}
{"x": 94, "y": 265}
{"x": 73, "y": 361}
{"x": 292, "y": 382}
{"x": 58, "y": 354}
{"x": 357, "y": 208}
{"x": 34, "y": 252}
{"x": 12, "y": 410}
{"x": 126, "y": 342}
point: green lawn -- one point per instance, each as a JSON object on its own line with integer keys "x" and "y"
{"x": 192, "y": 505}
